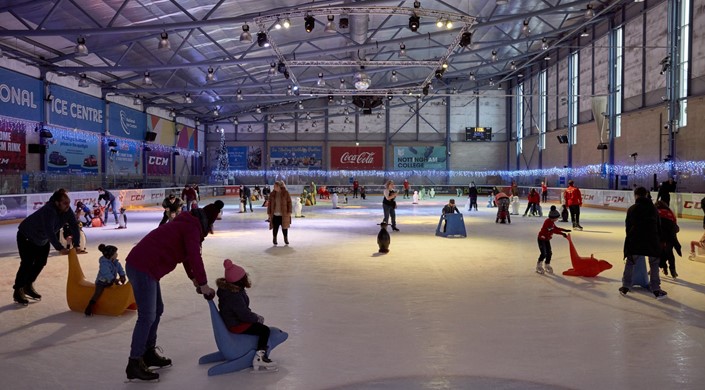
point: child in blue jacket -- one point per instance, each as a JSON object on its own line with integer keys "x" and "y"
{"x": 108, "y": 272}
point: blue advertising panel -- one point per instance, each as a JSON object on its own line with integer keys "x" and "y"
{"x": 76, "y": 110}
{"x": 72, "y": 152}
{"x": 20, "y": 96}
{"x": 126, "y": 122}
{"x": 420, "y": 157}
{"x": 296, "y": 157}
{"x": 237, "y": 157}
{"x": 123, "y": 158}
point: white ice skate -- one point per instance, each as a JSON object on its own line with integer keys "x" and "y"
{"x": 262, "y": 364}
{"x": 692, "y": 256}
{"x": 539, "y": 268}
{"x": 548, "y": 268}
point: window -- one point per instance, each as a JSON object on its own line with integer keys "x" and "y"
{"x": 683, "y": 55}
{"x": 520, "y": 118}
{"x": 573, "y": 73}
{"x": 618, "y": 87}
{"x": 543, "y": 104}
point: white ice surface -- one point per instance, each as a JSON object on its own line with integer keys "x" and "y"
{"x": 434, "y": 310}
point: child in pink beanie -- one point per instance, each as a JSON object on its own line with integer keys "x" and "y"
{"x": 234, "y": 306}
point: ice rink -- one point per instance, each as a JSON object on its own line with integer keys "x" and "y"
{"x": 433, "y": 313}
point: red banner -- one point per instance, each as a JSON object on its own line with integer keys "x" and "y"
{"x": 357, "y": 157}
{"x": 158, "y": 162}
{"x": 13, "y": 148}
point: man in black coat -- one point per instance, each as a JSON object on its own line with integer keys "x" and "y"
{"x": 664, "y": 191}
{"x": 643, "y": 232}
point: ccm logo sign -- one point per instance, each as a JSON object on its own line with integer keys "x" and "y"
{"x": 588, "y": 197}
{"x": 614, "y": 199}
{"x": 691, "y": 205}
{"x": 136, "y": 198}
{"x": 156, "y": 160}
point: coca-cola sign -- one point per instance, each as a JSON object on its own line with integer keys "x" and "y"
{"x": 357, "y": 157}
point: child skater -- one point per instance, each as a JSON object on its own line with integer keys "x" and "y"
{"x": 544, "y": 240}
{"x": 699, "y": 244}
{"x": 108, "y": 272}
{"x": 668, "y": 238}
{"x": 449, "y": 209}
{"x": 234, "y": 306}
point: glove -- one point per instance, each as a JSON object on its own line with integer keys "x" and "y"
{"x": 260, "y": 319}
{"x": 122, "y": 279}
{"x": 207, "y": 292}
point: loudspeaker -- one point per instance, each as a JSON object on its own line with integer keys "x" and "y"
{"x": 150, "y": 136}
{"x": 36, "y": 148}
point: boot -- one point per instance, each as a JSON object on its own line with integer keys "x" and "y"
{"x": 261, "y": 361}
{"x": 137, "y": 370}
{"x": 152, "y": 359}
{"x": 89, "y": 309}
{"x": 19, "y": 297}
{"x": 286, "y": 239}
{"x": 29, "y": 291}
{"x": 673, "y": 272}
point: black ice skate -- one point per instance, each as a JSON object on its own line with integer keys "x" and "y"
{"x": 19, "y": 297}
{"x": 152, "y": 359}
{"x": 137, "y": 370}
{"x": 29, "y": 291}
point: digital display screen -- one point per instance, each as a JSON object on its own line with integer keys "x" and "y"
{"x": 478, "y": 134}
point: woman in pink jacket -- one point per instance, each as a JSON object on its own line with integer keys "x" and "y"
{"x": 156, "y": 255}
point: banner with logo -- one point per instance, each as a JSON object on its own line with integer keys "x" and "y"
{"x": 126, "y": 122}
{"x": 187, "y": 137}
{"x": 20, "y": 96}
{"x": 13, "y": 148}
{"x": 420, "y": 157}
{"x": 13, "y": 207}
{"x": 296, "y": 157}
{"x": 357, "y": 157}
{"x": 72, "y": 152}
{"x": 76, "y": 110}
{"x": 123, "y": 158}
{"x": 159, "y": 162}
{"x": 165, "y": 129}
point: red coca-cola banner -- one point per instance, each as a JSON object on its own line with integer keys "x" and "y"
{"x": 357, "y": 157}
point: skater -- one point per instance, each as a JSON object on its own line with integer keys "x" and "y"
{"x": 172, "y": 207}
{"x": 669, "y": 239}
{"x": 547, "y": 231}
{"x": 664, "y": 191}
{"x": 109, "y": 273}
{"x": 122, "y": 219}
{"x": 189, "y": 197}
{"x": 279, "y": 211}
{"x": 363, "y": 195}
{"x": 34, "y": 235}
{"x": 356, "y": 188}
{"x": 573, "y": 199}
{"x": 642, "y": 239}
{"x": 83, "y": 211}
{"x": 534, "y": 200}
{"x": 449, "y": 209}
{"x": 472, "y": 196}
{"x": 700, "y": 244}
{"x": 389, "y": 204}
{"x": 458, "y": 192}
{"x": 111, "y": 202}
{"x": 234, "y": 307}
{"x": 544, "y": 192}
{"x": 147, "y": 263}
{"x": 247, "y": 195}
{"x": 407, "y": 186}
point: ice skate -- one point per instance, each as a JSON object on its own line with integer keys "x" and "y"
{"x": 660, "y": 294}
{"x": 30, "y": 292}
{"x": 19, "y": 297}
{"x": 137, "y": 370}
{"x": 152, "y": 359}
{"x": 539, "y": 268}
{"x": 623, "y": 291}
{"x": 578, "y": 227}
{"x": 548, "y": 268}
{"x": 692, "y": 256}
{"x": 262, "y": 364}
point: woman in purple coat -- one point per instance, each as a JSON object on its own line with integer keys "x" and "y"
{"x": 156, "y": 255}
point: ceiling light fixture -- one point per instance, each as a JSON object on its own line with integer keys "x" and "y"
{"x": 525, "y": 28}
{"x": 289, "y": 92}
{"x": 394, "y": 77}
{"x": 544, "y": 44}
{"x": 491, "y": 81}
{"x": 439, "y": 23}
{"x": 146, "y": 80}
{"x": 286, "y": 23}
{"x": 471, "y": 76}
{"x": 513, "y": 65}
{"x": 342, "y": 84}
{"x": 239, "y": 95}
{"x": 187, "y": 98}
{"x": 361, "y": 80}
{"x": 245, "y": 37}
{"x": 465, "y": 39}
{"x": 321, "y": 82}
{"x": 278, "y": 25}
{"x": 273, "y": 68}
{"x": 216, "y": 112}
{"x": 164, "y": 43}
{"x": 589, "y": 13}
{"x": 210, "y": 76}
{"x": 262, "y": 40}
{"x": 402, "y": 50}
{"x": 172, "y": 113}
{"x": 300, "y": 105}
{"x": 236, "y": 121}
{"x": 584, "y": 33}
{"x": 449, "y": 24}
{"x": 414, "y": 22}
{"x": 137, "y": 101}
{"x": 309, "y": 23}
{"x": 330, "y": 26}
{"x": 258, "y": 109}
{"x": 308, "y": 115}
{"x": 494, "y": 55}
{"x": 81, "y": 48}
{"x": 343, "y": 22}
{"x": 83, "y": 82}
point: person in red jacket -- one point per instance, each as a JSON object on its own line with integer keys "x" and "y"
{"x": 573, "y": 199}
{"x": 534, "y": 200}
{"x": 544, "y": 240}
{"x": 156, "y": 255}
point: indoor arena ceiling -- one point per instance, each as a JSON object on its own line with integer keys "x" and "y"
{"x": 198, "y": 62}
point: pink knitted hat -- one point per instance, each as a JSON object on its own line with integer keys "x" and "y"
{"x": 233, "y": 272}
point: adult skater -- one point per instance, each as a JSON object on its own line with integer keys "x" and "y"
{"x": 33, "y": 237}
{"x": 189, "y": 195}
{"x": 544, "y": 192}
{"x": 472, "y": 196}
{"x": 406, "y": 188}
{"x": 574, "y": 199}
{"x": 172, "y": 207}
{"x": 356, "y": 188}
{"x": 156, "y": 255}
{"x": 247, "y": 195}
{"x": 643, "y": 231}
{"x": 664, "y": 191}
{"x": 389, "y": 204}
{"x": 110, "y": 202}
{"x": 279, "y": 211}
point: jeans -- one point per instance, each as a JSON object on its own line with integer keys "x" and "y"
{"x": 654, "y": 279}
{"x": 148, "y": 296}
{"x": 389, "y": 210}
{"x": 33, "y": 258}
{"x": 545, "y": 248}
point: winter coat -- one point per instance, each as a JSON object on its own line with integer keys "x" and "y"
{"x": 108, "y": 270}
{"x": 643, "y": 230}
{"x": 173, "y": 206}
{"x": 573, "y": 197}
{"x": 472, "y": 192}
{"x": 189, "y": 194}
{"x": 669, "y": 238}
{"x": 548, "y": 229}
{"x": 280, "y": 196}
{"x": 450, "y": 209}
{"x": 178, "y": 241}
{"x": 42, "y": 226}
{"x": 234, "y": 306}
{"x": 534, "y": 197}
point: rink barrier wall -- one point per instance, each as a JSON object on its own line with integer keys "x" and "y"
{"x": 16, "y": 207}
